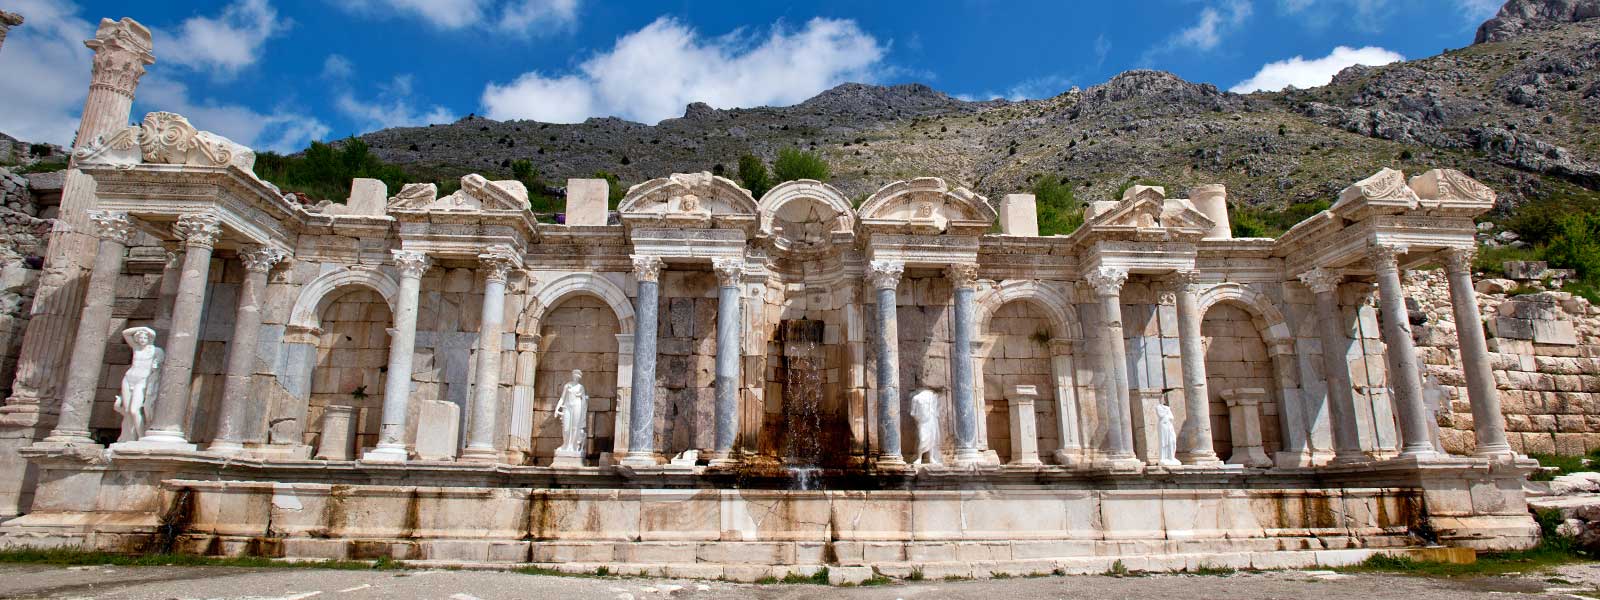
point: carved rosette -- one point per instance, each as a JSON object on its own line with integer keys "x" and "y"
{"x": 497, "y": 262}
{"x": 1320, "y": 280}
{"x": 646, "y": 268}
{"x": 1107, "y": 281}
{"x": 728, "y": 270}
{"x": 885, "y": 274}
{"x": 1459, "y": 260}
{"x": 121, "y": 51}
{"x": 112, "y": 225}
{"x": 962, "y": 275}
{"x": 411, "y": 263}
{"x": 261, "y": 258}
{"x": 1384, "y": 257}
{"x": 198, "y": 230}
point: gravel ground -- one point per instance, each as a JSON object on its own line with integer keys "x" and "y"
{"x": 163, "y": 583}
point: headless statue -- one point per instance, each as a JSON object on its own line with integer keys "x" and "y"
{"x": 572, "y": 409}
{"x": 1168, "y": 436}
{"x": 925, "y": 411}
{"x": 139, "y": 383}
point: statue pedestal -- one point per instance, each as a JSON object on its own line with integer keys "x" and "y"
{"x": 567, "y": 458}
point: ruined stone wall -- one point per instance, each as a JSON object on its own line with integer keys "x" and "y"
{"x": 22, "y": 243}
{"x": 579, "y": 333}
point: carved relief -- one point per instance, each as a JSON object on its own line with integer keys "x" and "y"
{"x": 885, "y": 274}
{"x": 688, "y": 194}
{"x": 1107, "y": 281}
{"x": 1320, "y": 280}
{"x": 261, "y": 258}
{"x": 112, "y": 225}
{"x": 198, "y": 229}
{"x": 411, "y": 263}
{"x": 646, "y": 268}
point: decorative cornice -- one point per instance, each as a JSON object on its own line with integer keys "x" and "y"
{"x": 497, "y": 262}
{"x": 1107, "y": 281}
{"x": 885, "y": 274}
{"x": 646, "y": 268}
{"x": 1321, "y": 280}
{"x": 411, "y": 263}
{"x": 198, "y": 230}
{"x": 1459, "y": 260}
{"x": 261, "y": 258}
{"x": 961, "y": 275}
{"x": 728, "y": 270}
{"x": 1384, "y": 257}
{"x": 112, "y": 225}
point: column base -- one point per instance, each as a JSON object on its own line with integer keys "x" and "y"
{"x": 1069, "y": 458}
{"x": 81, "y": 438}
{"x": 891, "y": 462}
{"x": 1350, "y": 458}
{"x": 1121, "y": 465}
{"x": 1026, "y": 461}
{"x": 146, "y": 443}
{"x": 640, "y": 459}
{"x": 1292, "y": 460}
{"x": 386, "y": 453}
{"x": 1204, "y": 461}
{"x": 1501, "y": 452}
{"x": 1422, "y": 455}
{"x": 966, "y": 457}
{"x": 226, "y": 448}
{"x": 567, "y": 459}
{"x": 480, "y": 455}
{"x": 722, "y": 460}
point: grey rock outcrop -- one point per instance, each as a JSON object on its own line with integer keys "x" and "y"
{"x": 1518, "y": 16}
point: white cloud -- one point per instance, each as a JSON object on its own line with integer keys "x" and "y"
{"x": 510, "y": 16}
{"x": 653, "y": 73}
{"x": 1213, "y": 24}
{"x": 336, "y": 67}
{"x": 1303, "y": 73}
{"x": 393, "y": 107}
{"x": 46, "y": 72}
{"x": 1367, "y": 15}
{"x": 1479, "y": 10}
{"x": 223, "y": 44}
{"x": 282, "y": 130}
{"x": 525, "y": 16}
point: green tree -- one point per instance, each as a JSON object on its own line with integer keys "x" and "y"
{"x": 753, "y": 175}
{"x": 1059, "y": 210}
{"x": 794, "y": 163}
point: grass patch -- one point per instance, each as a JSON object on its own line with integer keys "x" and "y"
{"x": 768, "y": 580}
{"x": 1552, "y": 552}
{"x": 876, "y": 579}
{"x": 818, "y": 578}
{"x": 916, "y": 574}
{"x": 1212, "y": 570}
{"x": 1118, "y": 569}
{"x": 1566, "y": 464}
{"x": 77, "y": 557}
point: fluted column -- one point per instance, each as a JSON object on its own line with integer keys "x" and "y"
{"x": 121, "y": 51}
{"x": 1107, "y": 283}
{"x": 89, "y": 346}
{"x": 497, "y": 264}
{"x": 1488, "y": 423}
{"x": 1404, "y": 376}
{"x": 1324, "y": 284}
{"x": 1197, "y": 446}
{"x": 199, "y": 233}
{"x": 729, "y": 272}
{"x": 241, "y": 366}
{"x": 7, "y": 21}
{"x": 962, "y": 277}
{"x": 642, "y": 401}
{"x": 402, "y": 346}
{"x": 885, "y": 277}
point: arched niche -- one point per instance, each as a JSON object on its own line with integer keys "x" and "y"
{"x": 1249, "y": 345}
{"x": 320, "y": 301}
{"x": 1027, "y": 332}
{"x": 806, "y": 215}
{"x": 928, "y": 204}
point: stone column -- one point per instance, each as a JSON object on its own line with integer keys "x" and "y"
{"x": 885, "y": 277}
{"x": 89, "y": 346}
{"x": 496, "y": 263}
{"x": 7, "y": 21}
{"x": 241, "y": 367}
{"x": 1070, "y": 454}
{"x": 1107, "y": 283}
{"x": 1244, "y": 420}
{"x": 962, "y": 277}
{"x": 1195, "y": 442}
{"x": 199, "y": 233}
{"x": 1488, "y": 423}
{"x": 121, "y": 51}
{"x": 1324, "y": 283}
{"x": 642, "y": 401}
{"x": 1405, "y": 378}
{"x": 729, "y": 327}
{"x": 402, "y": 345}
{"x": 1024, "y": 429}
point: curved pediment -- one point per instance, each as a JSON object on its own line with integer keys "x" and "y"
{"x": 805, "y": 214}
{"x": 477, "y": 193}
{"x": 688, "y": 194}
{"x": 927, "y": 204}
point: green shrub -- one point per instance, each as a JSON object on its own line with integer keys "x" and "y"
{"x": 794, "y": 163}
{"x": 324, "y": 172}
{"x": 615, "y": 192}
{"x": 1059, "y": 211}
{"x": 753, "y": 175}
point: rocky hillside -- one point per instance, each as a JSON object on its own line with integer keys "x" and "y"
{"x": 1520, "y": 109}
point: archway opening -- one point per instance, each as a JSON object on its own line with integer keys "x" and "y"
{"x": 1237, "y": 361}
{"x": 351, "y": 364}
{"x": 579, "y": 332}
{"x": 1018, "y": 354}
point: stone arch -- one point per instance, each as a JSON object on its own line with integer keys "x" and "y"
{"x": 320, "y": 292}
{"x": 1274, "y": 330}
{"x": 1044, "y": 297}
{"x": 907, "y": 201}
{"x": 789, "y": 192}
{"x": 714, "y": 195}
{"x": 552, "y": 293}
{"x": 1277, "y": 376}
{"x": 1057, "y": 406}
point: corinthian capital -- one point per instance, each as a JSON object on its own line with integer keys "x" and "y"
{"x": 885, "y": 274}
{"x": 1459, "y": 260}
{"x": 961, "y": 274}
{"x": 260, "y": 259}
{"x": 199, "y": 229}
{"x": 112, "y": 225}
{"x": 1384, "y": 257}
{"x": 412, "y": 263}
{"x": 646, "y": 268}
{"x": 1107, "y": 281}
{"x": 121, "y": 51}
{"x": 1321, "y": 280}
{"x": 728, "y": 271}
{"x": 497, "y": 262}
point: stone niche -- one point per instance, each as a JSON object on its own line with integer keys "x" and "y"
{"x": 352, "y": 356}
{"x": 1019, "y": 353}
{"x": 579, "y": 332}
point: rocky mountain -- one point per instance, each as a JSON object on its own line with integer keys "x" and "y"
{"x": 1519, "y": 109}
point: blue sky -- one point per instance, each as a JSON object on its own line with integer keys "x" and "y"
{"x": 275, "y": 74}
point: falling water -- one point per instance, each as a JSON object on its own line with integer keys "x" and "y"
{"x": 802, "y": 402}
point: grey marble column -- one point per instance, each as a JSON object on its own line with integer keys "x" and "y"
{"x": 729, "y": 272}
{"x": 497, "y": 264}
{"x": 1196, "y": 447}
{"x": 1107, "y": 283}
{"x": 89, "y": 345}
{"x": 402, "y": 346}
{"x": 199, "y": 233}
{"x": 1488, "y": 423}
{"x": 642, "y": 403}
{"x": 241, "y": 366}
{"x": 1324, "y": 284}
{"x": 962, "y": 277}
{"x": 885, "y": 277}
{"x": 1405, "y": 378}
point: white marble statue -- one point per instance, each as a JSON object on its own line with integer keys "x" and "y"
{"x": 573, "y": 409}
{"x": 140, "y": 382}
{"x": 1169, "y": 436}
{"x": 925, "y": 411}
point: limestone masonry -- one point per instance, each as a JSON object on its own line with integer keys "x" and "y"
{"x": 710, "y": 384}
